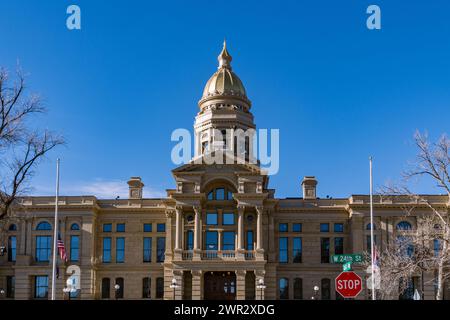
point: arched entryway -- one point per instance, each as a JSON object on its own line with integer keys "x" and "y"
{"x": 219, "y": 285}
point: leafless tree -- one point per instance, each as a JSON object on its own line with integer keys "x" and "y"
{"x": 22, "y": 145}
{"x": 426, "y": 248}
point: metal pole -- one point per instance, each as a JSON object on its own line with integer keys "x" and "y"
{"x": 371, "y": 230}
{"x": 55, "y": 233}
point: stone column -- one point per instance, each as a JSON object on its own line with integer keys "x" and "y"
{"x": 240, "y": 284}
{"x": 219, "y": 239}
{"x": 197, "y": 285}
{"x": 168, "y": 252}
{"x": 197, "y": 234}
{"x": 240, "y": 245}
{"x": 178, "y": 231}
{"x": 259, "y": 211}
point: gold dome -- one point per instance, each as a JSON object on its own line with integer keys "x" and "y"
{"x": 224, "y": 82}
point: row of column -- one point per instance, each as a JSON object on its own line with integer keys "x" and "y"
{"x": 198, "y": 228}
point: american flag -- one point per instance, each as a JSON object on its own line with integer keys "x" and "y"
{"x": 61, "y": 249}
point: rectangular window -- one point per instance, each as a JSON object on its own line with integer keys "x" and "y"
{"x": 43, "y": 248}
{"x": 324, "y": 227}
{"x": 120, "y": 227}
{"x": 249, "y": 240}
{"x": 189, "y": 240}
{"x": 74, "y": 248}
{"x": 12, "y": 248}
{"x": 211, "y": 240}
{"x": 160, "y": 249}
{"x": 41, "y": 287}
{"x": 338, "y": 227}
{"x": 107, "y": 227}
{"x": 297, "y": 227}
{"x": 159, "y": 288}
{"x": 161, "y": 227}
{"x": 325, "y": 250}
{"x": 283, "y": 250}
{"x": 339, "y": 245}
{"x": 211, "y": 218}
{"x": 147, "y": 227}
{"x": 147, "y": 250}
{"x": 283, "y": 227}
{"x": 10, "y": 287}
{"x": 369, "y": 246}
{"x": 297, "y": 249}
{"x": 228, "y": 240}
{"x": 146, "y": 288}
{"x": 106, "y": 250}
{"x": 120, "y": 250}
{"x": 228, "y": 218}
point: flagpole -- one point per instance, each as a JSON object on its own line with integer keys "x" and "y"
{"x": 371, "y": 230}
{"x": 55, "y": 233}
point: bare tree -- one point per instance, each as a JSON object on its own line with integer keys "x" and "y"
{"x": 22, "y": 146}
{"x": 426, "y": 248}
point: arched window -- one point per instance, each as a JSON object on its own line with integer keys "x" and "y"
{"x": 220, "y": 194}
{"x": 44, "y": 225}
{"x": 105, "y": 288}
{"x": 75, "y": 227}
{"x": 119, "y": 290}
{"x": 326, "y": 285}
{"x": 12, "y": 227}
{"x": 369, "y": 225}
{"x": 404, "y": 225}
{"x": 284, "y": 288}
{"x": 146, "y": 288}
{"x": 298, "y": 288}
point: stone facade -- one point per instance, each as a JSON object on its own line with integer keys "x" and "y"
{"x": 219, "y": 234}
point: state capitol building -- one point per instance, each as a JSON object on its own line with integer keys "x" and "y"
{"x": 220, "y": 234}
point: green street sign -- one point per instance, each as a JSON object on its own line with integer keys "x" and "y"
{"x": 347, "y": 266}
{"x": 343, "y": 258}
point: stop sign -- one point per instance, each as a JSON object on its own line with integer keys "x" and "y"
{"x": 348, "y": 284}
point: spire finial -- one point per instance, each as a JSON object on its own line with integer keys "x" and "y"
{"x": 224, "y": 57}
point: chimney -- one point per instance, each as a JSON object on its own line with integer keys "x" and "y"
{"x": 135, "y": 188}
{"x": 309, "y": 184}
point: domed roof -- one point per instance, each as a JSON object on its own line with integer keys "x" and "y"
{"x": 224, "y": 82}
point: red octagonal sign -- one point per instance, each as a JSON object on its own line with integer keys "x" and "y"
{"x": 348, "y": 284}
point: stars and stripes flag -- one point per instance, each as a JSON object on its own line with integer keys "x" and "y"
{"x": 61, "y": 249}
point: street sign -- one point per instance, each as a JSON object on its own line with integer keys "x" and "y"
{"x": 347, "y": 266}
{"x": 343, "y": 258}
{"x": 348, "y": 284}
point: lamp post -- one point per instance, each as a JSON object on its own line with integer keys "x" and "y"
{"x": 2, "y": 293}
{"x": 174, "y": 286}
{"x": 116, "y": 288}
{"x": 316, "y": 293}
{"x": 261, "y": 286}
{"x": 2, "y": 250}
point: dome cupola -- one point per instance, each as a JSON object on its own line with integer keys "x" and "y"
{"x": 224, "y": 88}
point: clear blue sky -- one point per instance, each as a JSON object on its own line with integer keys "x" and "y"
{"x": 337, "y": 91}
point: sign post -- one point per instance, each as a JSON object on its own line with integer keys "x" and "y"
{"x": 348, "y": 284}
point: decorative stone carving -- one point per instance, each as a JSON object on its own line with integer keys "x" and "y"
{"x": 259, "y": 187}
{"x": 241, "y": 186}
